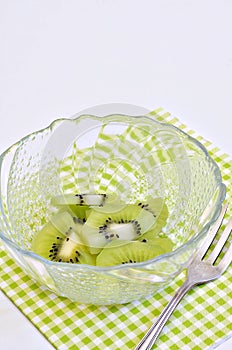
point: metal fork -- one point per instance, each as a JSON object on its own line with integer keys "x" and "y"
{"x": 200, "y": 270}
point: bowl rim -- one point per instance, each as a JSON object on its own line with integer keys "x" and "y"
{"x": 197, "y": 237}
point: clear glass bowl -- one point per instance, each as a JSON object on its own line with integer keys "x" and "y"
{"x": 135, "y": 157}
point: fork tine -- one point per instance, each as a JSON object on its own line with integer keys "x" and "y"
{"x": 226, "y": 260}
{"x": 221, "y": 242}
{"x": 210, "y": 237}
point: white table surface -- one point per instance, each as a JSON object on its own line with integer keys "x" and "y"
{"x": 59, "y": 57}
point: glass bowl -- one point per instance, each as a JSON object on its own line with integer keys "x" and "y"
{"x": 135, "y": 157}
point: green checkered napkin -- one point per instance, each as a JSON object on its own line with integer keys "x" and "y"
{"x": 202, "y": 321}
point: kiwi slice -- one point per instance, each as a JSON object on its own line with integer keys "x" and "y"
{"x": 89, "y": 199}
{"x": 159, "y": 209}
{"x": 107, "y": 203}
{"x": 151, "y": 238}
{"x": 80, "y": 211}
{"x": 110, "y": 207}
{"x": 59, "y": 240}
{"x": 127, "y": 253}
{"x": 128, "y": 224}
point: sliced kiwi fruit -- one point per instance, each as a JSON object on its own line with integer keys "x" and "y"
{"x": 89, "y": 199}
{"x": 89, "y": 223}
{"x": 158, "y": 208}
{"x": 126, "y": 224}
{"x": 59, "y": 240}
{"x": 110, "y": 207}
{"x": 151, "y": 238}
{"x": 107, "y": 203}
{"x": 81, "y": 212}
{"x": 129, "y": 253}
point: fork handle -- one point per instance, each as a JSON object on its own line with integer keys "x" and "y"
{"x": 153, "y": 333}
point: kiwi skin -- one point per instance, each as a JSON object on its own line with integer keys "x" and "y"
{"x": 131, "y": 252}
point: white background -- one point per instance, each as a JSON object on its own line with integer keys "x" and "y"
{"x": 58, "y": 57}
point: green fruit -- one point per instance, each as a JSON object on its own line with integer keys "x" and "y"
{"x": 111, "y": 207}
{"x": 89, "y": 199}
{"x": 126, "y": 224}
{"x": 129, "y": 253}
{"x": 99, "y": 202}
{"x": 81, "y": 212}
{"x": 151, "y": 238}
{"x": 59, "y": 240}
{"x": 158, "y": 208}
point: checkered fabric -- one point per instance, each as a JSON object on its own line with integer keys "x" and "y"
{"x": 202, "y": 320}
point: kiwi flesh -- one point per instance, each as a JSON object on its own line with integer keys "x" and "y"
{"x": 89, "y": 199}
{"x": 110, "y": 207}
{"x": 84, "y": 227}
{"x": 59, "y": 240}
{"x": 126, "y": 224}
{"x": 107, "y": 203}
{"x": 128, "y": 253}
{"x": 151, "y": 238}
{"x": 159, "y": 209}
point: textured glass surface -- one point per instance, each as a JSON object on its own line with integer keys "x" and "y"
{"x": 135, "y": 157}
